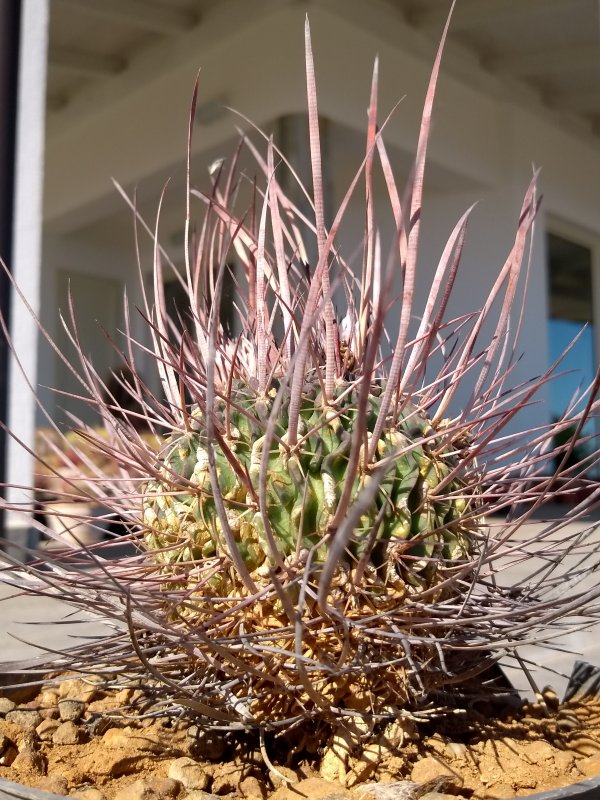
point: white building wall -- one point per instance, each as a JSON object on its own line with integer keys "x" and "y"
{"x": 71, "y": 259}
{"x": 484, "y": 140}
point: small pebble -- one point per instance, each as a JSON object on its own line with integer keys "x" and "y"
{"x": 29, "y": 760}
{"x": 16, "y": 692}
{"x": 252, "y": 788}
{"x": 124, "y": 697}
{"x": 70, "y": 709}
{"x": 66, "y": 733}
{"x": 206, "y": 743}
{"x": 437, "y": 796}
{"x": 50, "y": 712}
{"x": 127, "y": 697}
{"x": 46, "y": 729}
{"x": 198, "y": 794}
{"x": 118, "y": 738}
{"x": 189, "y": 774}
{"x": 78, "y": 689}
{"x": 436, "y": 743}
{"x": 92, "y": 793}
{"x": 149, "y": 789}
{"x": 6, "y": 705}
{"x": 48, "y": 697}
{"x": 28, "y": 739}
{"x": 25, "y": 718}
{"x": 455, "y": 749}
{"x": 8, "y": 751}
{"x": 429, "y": 768}
{"x": 227, "y": 783}
{"x": 56, "y": 784}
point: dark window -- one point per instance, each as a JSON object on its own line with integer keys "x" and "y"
{"x": 571, "y": 313}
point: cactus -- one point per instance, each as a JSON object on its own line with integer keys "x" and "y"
{"x": 320, "y": 532}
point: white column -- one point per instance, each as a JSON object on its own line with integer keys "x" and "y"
{"x": 27, "y": 245}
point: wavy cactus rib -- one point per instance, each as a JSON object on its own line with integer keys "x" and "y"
{"x": 319, "y": 536}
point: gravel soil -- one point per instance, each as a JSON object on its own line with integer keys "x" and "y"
{"x": 76, "y": 738}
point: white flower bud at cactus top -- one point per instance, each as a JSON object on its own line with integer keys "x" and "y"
{"x": 348, "y": 329}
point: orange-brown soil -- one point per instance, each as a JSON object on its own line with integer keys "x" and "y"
{"x": 78, "y": 739}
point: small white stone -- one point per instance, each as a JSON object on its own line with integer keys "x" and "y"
{"x": 201, "y": 460}
{"x": 190, "y": 774}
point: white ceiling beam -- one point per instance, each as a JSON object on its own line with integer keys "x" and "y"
{"x": 140, "y": 14}
{"x": 473, "y": 13}
{"x": 90, "y": 64}
{"x": 551, "y": 59}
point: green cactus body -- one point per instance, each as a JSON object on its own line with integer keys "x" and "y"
{"x": 418, "y": 533}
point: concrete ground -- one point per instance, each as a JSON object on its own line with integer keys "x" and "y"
{"x": 552, "y": 665}
{"x": 30, "y": 624}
